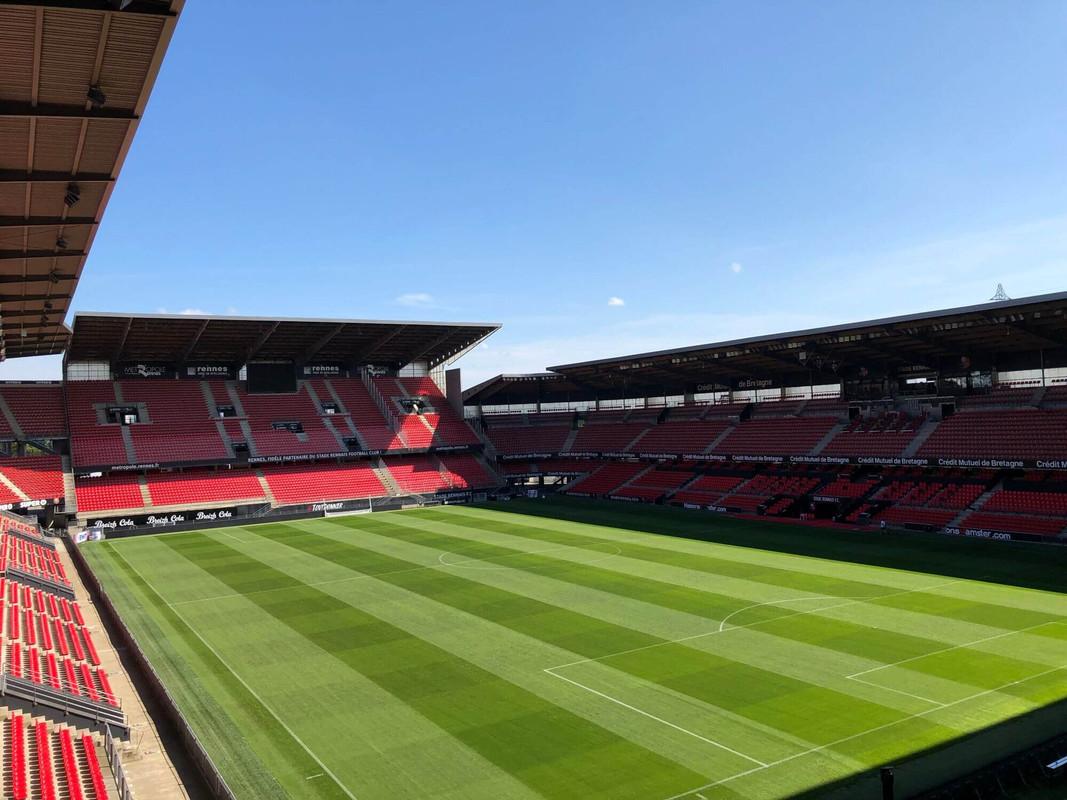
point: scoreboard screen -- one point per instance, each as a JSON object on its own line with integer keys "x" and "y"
{"x": 271, "y": 378}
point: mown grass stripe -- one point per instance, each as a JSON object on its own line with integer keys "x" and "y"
{"x": 548, "y": 748}
{"x": 248, "y": 712}
{"x": 758, "y": 573}
{"x": 743, "y": 689}
{"x": 930, "y": 603}
{"x": 778, "y": 619}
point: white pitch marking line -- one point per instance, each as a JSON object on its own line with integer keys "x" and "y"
{"x": 658, "y": 719}
{"x": 251, "y": 691}
{"x": 958, "y": 646}
{"x": 318, "y": 775}
{"x": 721, "y": 629}
{"x": 897, "y": 691}
{"x": 692, "y": 792}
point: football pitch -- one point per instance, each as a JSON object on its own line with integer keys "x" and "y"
{"x": 571, "y": 650}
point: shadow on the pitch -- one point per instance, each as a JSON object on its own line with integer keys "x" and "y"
{"x": 1012, "y": 744}
{"x": 1032, "y": 566}
{"x": 1001, "y": 761}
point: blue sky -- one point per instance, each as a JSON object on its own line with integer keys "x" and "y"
{"x": 720, "y": 169}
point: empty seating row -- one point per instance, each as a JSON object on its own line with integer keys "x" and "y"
{"x": 108, "y": 493}
{"x": 240, "y": 485}
{"x": 1031, "y": 434}
{"x": 59, "y": 673}
{"x": 38, "y": 561}
{"x": 417, "y": 474}
{"x": 176, "y": 424}
{"x": 1046, "y": 503}
{"x": 38, "y": 477}
{"x": 606, "y": 478}
{"x": 371, "y": 427}
{"x": 310, "y": 483}
{"x": 654, "y": 484}
{"x": 529, "y": 439}
{"x": 92, "y": 442}
{"x": 440, "y": 424}
{"x": 37, "y": 408}
{"x": 776, "y": 436}
{"x": 466, "y": 472}
{"x": 45, "y": 763}
{"x": 1014, "y": 523}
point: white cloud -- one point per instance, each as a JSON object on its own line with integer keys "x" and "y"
{"x": 616, "y": 301}
{"x": 416, "y": 300}
{"x": 735, "y": 267}
{"x": 192, "y": 312}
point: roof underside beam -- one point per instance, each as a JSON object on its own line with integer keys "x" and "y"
{"x": 257, "y": 345}
{"x": 14, "y": 176}
{"x": 116, "y": 355}
{"x": 321, "y": 342}
{"x": 13, "y": 110}
{"x": 188, "y": 351}
{"x": 440, "y": 340}
{"x": 147, "y": 7}
{"x": 381, "y": 342}
{"x": 1053, "y": 338}
{"x": 18, "y": 255}
{"x": 45, "y": 222}
{"x": 51, "y": 277}
{"x": 28, "y": 298}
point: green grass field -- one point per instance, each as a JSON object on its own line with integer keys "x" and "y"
{"x": 570, "y": 650}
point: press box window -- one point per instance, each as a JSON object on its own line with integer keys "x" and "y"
{"x": 122, "y": 415}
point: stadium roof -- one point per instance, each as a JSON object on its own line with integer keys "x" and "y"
{"x": 182, "y": 339}
{"x": 822, "y": 355}
{"x": 528, "y": 388}
{"x": 75, "y": 76}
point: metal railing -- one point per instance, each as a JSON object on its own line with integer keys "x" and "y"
{"x": 70, "y": 705}
{"x": 111, "y": 750}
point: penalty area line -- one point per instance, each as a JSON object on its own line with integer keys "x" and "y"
{"x": 660, "y": 720}
{"x": 694, "y": 791}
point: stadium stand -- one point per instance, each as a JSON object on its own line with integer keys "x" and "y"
{"x": 519, "y": 439}
{"x": 109, "y": 493}
{"x": 707, "y": 489}
{"x": 1010, "y": 433}
{"x": 43, "y": 762}
{"x": 271, "y": 417}
{"x": 37, "y": 408}
{"x": 371, "y": 427}
{"x": 94, "y": 442}
{"x": 204, "y": 487}
{"x": 776, "y": 435}
{"x": 882, "y": 435}
{"x": 682, "y": 437}
{"x": 308, "y": 483}
{"x": 418, "y": 475}
{"x": 37, "y": 477}
{"x": 465, "y": 472}
{"x": 654, "y": 484}
{"x": 177, "y": 424}
{"x": 606, "y": 478}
